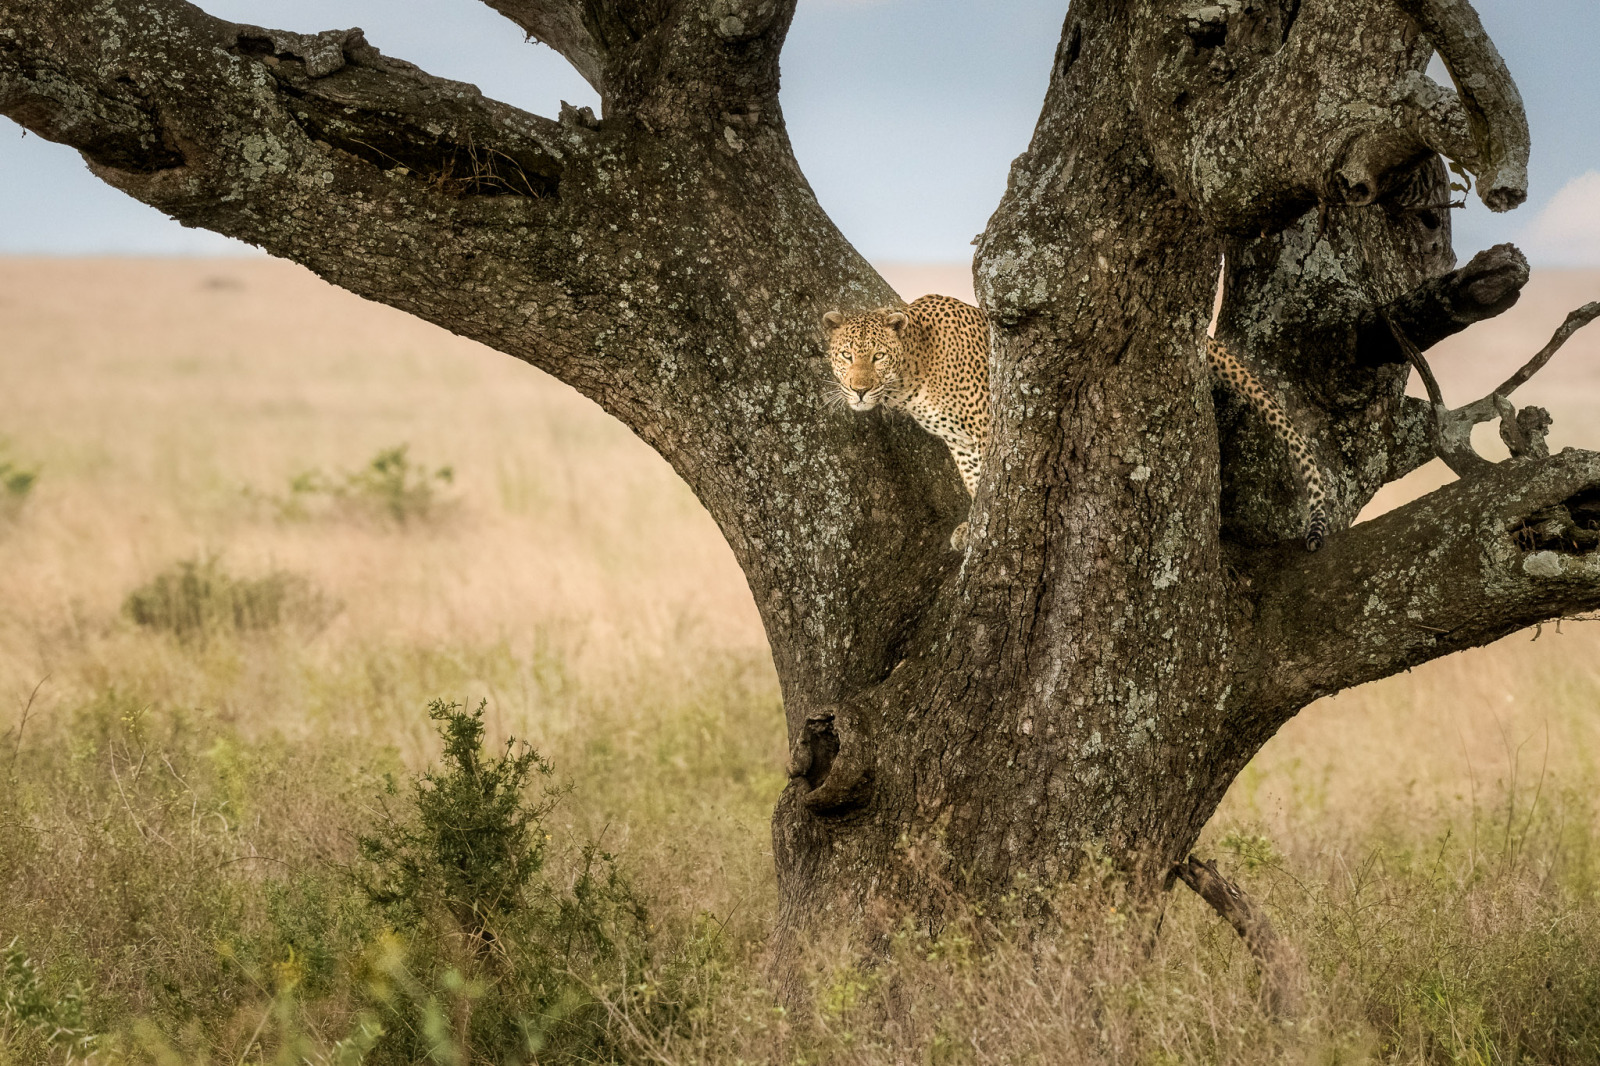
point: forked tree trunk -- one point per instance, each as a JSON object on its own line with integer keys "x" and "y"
{"x": 1134, "y": 616}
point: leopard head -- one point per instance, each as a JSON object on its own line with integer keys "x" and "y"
{"x": 866, "y": 354}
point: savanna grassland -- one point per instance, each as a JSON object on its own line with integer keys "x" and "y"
{"x": 253, "y": 528}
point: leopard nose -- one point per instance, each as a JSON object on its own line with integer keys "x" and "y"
{"x": 861, "y": 394}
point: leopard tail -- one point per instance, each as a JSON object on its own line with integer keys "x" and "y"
{"x": 1247, "y": 388}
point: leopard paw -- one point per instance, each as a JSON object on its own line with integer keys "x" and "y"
{"x": 958, "y": 539}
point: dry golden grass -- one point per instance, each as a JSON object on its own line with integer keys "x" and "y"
{"x": 573, "y": 582}
{"x": 156, "y": 395}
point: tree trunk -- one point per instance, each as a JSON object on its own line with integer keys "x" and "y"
{"x": 1133, "y": 617}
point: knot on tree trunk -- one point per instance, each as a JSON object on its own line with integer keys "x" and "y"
{"x": 833, "y": 757}
{"x": 1571, "y": 527}
{"x": 321, "y": 53}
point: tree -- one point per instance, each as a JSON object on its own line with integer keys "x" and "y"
{"x": 1134, "y": 616}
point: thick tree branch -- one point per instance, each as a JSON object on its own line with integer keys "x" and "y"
{"x": 388, "y": 113}
{"x": 320, "y": 149}
{"x": 1350, "y": 117}
{"x": 1464, "y": 565}
{"x": 264, "y": 134}
{"x": 1441, "y": 307}
{"x": 108, "y": 123}
{"x": 663, "y": 62}
{"x": 560, "y": 24}
{"x": 1489, "y": 99}
{"x": 669, "y": 262}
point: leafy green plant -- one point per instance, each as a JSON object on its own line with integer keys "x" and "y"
{"x": 197, "y": 598}
{"x": 500, "y": 958}
{"x": 1252, "y": 850}
{"x": 28, "y": 1011}
{"x": 16, "y": 482}
{"x": 391, "y": 485}
{"x": 475, "y": 842}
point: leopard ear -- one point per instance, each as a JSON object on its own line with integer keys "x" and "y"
{"x": 897, "y": 321}
{"x": 832, "y": 320}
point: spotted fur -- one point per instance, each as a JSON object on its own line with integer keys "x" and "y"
{"x": 931, "y": 360}
{"x": 1247, "y": 388}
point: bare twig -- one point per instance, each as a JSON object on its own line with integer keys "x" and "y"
{"x": 254, "y": 858}
{"x": 1451, "y": 438}
{"x": 1281, "y": 975}
{"x": 1415, "y": 358}
{"x": 16, "y": 747}
{"x": 126, "y": 806}
{"x": 262, "y": 1024}
{"x": 1523, "y": 431}
{"x": 1574, "y": 322}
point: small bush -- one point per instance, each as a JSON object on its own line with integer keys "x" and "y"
{"x": 475, "y": 843}
{"x": 496, "y": 960}
{"x": 391, "y": 485}
{"x": 197, "y": 598}
{"x": 15, "y": 484}
{"x": 32, "y": 1015}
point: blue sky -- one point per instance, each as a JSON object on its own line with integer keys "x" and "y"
{"x": 905, "y": 115}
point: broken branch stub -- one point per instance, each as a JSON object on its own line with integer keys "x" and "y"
{"x": 1488, "y": 285}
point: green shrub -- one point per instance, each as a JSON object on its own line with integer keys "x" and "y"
{"x": 30, "y": 1014}
{"x": 495, "y": 959}
{"x": 197, "y": 598}
{"x": 15, "y": 484}
{"x": 390, "y": 485}
{"x": 475, "y": 842}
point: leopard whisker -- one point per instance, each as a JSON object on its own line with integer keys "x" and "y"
{"x": 833, "y": 394}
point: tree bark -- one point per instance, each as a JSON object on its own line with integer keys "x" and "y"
{"x": 1127, "y": 625}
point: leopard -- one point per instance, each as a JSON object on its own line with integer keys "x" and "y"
{"x": 930, "y": 359}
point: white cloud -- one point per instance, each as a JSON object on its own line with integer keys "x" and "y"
{"x": 1567, "y": 231}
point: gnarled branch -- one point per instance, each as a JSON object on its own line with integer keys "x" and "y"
{"x": 1349, "y": 129}
{"x": 1462, "y": 566}
{"x": 1282, "y": 974}
{"x": 1441, "y": 307}
{"x": 1489, "y": 99}
{"x": 1523, "y": 432}
{"x": 315, "y": 147}
{"x": 669, "y": 262}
